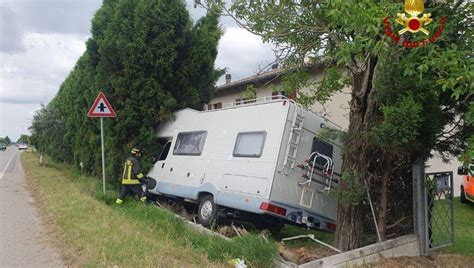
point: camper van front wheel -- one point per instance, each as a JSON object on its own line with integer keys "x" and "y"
{"x": 207, "y": 211}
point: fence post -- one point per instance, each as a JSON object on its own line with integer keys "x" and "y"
{"x": 419, "y": 205}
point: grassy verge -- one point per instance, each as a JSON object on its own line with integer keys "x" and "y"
{"x": 463, "y": 229}
{"x": 99, "y": 233}
{"x": 290, "y": 231}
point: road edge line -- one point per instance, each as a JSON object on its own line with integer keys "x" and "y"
{"x": 6, "y": 166}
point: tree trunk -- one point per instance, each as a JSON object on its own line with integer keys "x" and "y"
{"x": 357, "y": 155}
{"x": 383, "y": 198}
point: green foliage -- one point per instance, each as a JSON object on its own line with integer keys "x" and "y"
{"x": 7, "y": 140}
{"x": 23, "y": 139}
{"x": 437, "y": 77}
{"x": 150, "y": 60}
{"x": 296, "y": 81}
{"x": 350, "y": 191}
{"x": 400, "y": 125}
{"x": 311, "y": 91}
{"x": 249, "y": 93}
{"x": 49, "y": 133}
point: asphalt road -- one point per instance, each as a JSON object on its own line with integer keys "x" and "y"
{"x": 22, "y": 240}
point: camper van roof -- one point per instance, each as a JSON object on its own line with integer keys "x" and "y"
{"x": 259, "y": 101}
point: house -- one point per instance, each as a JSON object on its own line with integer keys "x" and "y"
{"x": 269, "y": 83}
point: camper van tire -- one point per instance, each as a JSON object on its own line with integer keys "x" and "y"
{"x": 207, "y": 211}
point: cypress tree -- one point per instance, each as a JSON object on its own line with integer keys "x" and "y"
{"x": 150, "y": 60}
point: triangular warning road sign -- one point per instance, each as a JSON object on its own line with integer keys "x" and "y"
{"x": 101, "y": 107}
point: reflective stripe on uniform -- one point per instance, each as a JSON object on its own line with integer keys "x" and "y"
{"x": 129, "y": 166}
{"x": 124, "y": 170}
{"x": 128, "y": 182}
{"x": 128, "y": 171}
{"x": 140, "y": 175}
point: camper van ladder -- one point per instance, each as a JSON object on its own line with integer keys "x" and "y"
{"x": 326, "y": 169}
{"x": 293, "y": 140}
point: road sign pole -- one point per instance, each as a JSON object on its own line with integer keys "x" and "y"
{"x": 103, "y": 157}
{"x": 101, "y": 108}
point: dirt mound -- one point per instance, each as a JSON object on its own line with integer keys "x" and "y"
{"x": 304, "y": 254}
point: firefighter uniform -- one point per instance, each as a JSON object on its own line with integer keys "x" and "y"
{"x": 131, "y": 178}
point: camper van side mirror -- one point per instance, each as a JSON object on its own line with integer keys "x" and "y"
{"x": 462, "y": 170}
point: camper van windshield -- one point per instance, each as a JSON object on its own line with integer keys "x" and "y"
{"x": 249, "y": 144}
{"x": 190, "y": 143}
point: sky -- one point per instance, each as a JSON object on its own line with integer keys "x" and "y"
{"x": 41, "y": 40}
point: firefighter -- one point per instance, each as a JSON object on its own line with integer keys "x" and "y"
{"x": 132, "y": 178}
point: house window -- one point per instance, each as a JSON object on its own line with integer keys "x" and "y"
{"x": 217, "y": 105}
{"x": 190, "y": 143}
{"x": 323, "y": 148}
{"x": 249, "y": 144}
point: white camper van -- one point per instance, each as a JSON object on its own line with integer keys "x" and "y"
{"x": 259, "y": 158}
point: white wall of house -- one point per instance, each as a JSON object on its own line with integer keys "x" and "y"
{"x": 226, "y": 97}
{"x": 337, "y": 111}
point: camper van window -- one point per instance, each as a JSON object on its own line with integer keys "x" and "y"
{"x": 190, "y": 143}
{"x": 322, "y": 148}
{"x": 165, "y": 151}
{"x": 249, "y": 144}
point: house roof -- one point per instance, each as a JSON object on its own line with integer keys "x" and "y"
{"x": 262, "y": 77}
{"x": 265, "y": 76}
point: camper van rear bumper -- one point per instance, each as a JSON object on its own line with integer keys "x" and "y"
{"x": 299, "y": 216}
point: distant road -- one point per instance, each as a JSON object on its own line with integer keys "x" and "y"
{"x": 22, "y": 241}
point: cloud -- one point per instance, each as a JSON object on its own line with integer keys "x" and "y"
{"x": 35, "y": 75}
{"x": 242, "y": 53}
{"x": 11, "y": 40}
{"x": 16, "y": 118}
{"x": 57, "y": 16}
{"x": 22, "y": 100}
{"x": 18, "y": 18}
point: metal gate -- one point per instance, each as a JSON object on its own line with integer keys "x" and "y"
{"x": 439, "y": 216}
{"x": 433, "y": 208}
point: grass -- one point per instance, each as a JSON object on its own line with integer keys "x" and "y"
{"x": 463, "y": 229}
{"x": 96, "y": 232}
